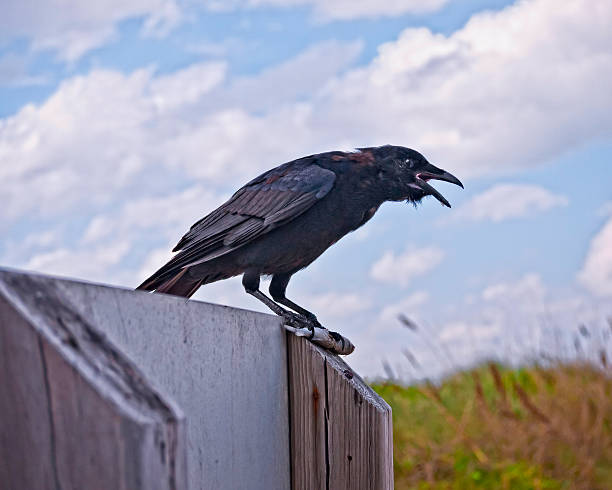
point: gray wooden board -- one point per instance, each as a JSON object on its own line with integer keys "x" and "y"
{"x": 74, "y": 412}
{"x": 226, "y": 368}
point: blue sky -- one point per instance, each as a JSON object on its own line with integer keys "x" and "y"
{"x": 121, "y": 123}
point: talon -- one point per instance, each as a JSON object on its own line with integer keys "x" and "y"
{"x": 292, "y": 319}
{"x": 311, "y": 316}
{"x": 301, "y": 321}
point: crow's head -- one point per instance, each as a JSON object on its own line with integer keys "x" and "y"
{"x": 406, "y": 173}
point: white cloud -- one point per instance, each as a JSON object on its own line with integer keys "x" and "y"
{"x": 129, "y": 232}
{"x": 96, "y": 136}
{"x": 468, "y": 332}
{"x": 407, "y": 306}
{"x": 73, "y": 27}
{"x": 350, "y": 9}
{"x": 230, "y": 292}
{"x": 17, "y": 251}
{"x": 103, "y": 133}
{"x": 596, "y": 273}
{"x": 403, "y": 268}
{"x": 498, "y": 94}
{"x": 506, "y": 201}
{"x": 508, "y": 91}
{"x": 295, "y": 79}
{"x": 528, "y": 289}
{"x": 115, "y": 150}
{"x": 606, "y": 209}
{"x": 109, "y": 238}
{"x": 336, "y": 305}
{"x": 169, "y": 215}
{"x": 70, "y": 45}
{"x": 514, "y": 322}
{"x": 162, "y": 19}
{"x": 512, "y": 327}
{"x": 153, "y": 261}
{"x": 419, "y": 91}
{"x": 90, "y": 263}
{"x": 165, "y": 218}
{"x": 186, "y": 86}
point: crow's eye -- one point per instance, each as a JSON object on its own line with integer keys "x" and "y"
{"x": 410, "y": 163}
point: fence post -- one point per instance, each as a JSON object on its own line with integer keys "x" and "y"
{"x": 341, "y": 430}
{"x": 74, "y": 412}
{"x": 94, "y": 381}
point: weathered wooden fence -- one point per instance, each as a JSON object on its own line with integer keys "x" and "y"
{"x": 109, "y": 388}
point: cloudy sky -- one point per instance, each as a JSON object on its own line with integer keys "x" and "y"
{"x": 124, "y": 121}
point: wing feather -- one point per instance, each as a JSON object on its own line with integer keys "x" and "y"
{"x": 264, "y": 204}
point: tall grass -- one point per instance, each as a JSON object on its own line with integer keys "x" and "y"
{"x": 542, "y": 427}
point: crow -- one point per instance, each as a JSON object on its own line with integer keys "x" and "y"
{"x": 281, "y": 221}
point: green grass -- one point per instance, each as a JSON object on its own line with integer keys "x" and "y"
{"x": 497, "y": 428}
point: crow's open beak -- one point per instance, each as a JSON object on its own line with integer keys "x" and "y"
{"x": 435, "y": 173}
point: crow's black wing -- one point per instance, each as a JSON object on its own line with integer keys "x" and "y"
{"x": 267, "y": 202}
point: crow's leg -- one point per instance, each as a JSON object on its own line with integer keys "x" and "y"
{"x": 250, "y": 281}
{"x": 278, "y": 287}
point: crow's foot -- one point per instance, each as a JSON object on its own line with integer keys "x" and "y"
{"x": 332, "y": 341}
{"x": 296, "y": 320}
{"x": 311, "y": 318}
{"x": 298, "y": 323}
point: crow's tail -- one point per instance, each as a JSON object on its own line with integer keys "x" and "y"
{"x": 179, "y": 284}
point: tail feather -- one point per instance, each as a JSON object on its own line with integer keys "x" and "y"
{"x": 178, "y": 285}
{"x": 186, "y": 281}
{"x": 183, "y": 287}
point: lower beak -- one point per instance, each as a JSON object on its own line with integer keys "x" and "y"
{"x": 423, "y": 177}
{"x": 431, "y": 191}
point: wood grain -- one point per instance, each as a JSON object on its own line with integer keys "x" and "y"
{"x": 75, "y": 413}
{"x": 266, "y": 409}
{"x": 340, "y": 429}
{"x": 225, "y": 368}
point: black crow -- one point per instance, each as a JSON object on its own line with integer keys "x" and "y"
{"x": 284, "y": 219}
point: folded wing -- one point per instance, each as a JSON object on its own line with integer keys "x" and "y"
{"x": 264, "y": 204}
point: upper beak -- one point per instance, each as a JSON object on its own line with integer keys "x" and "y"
{"x": 446, "y": 176}
{"x": 437, "y": 174}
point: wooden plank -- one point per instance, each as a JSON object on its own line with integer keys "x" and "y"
{"x": 79, "y": 388}
{"x": 307, "y": 415}
{"x": 74, "y": 412}
{"x": 341, "y": 430}
{"x": 25, "y": 429}
{"x": 225, "y": 368}
{"x": 361, "y": 431}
